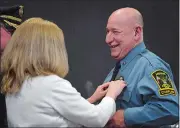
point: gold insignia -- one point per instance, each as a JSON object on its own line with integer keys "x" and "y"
{"x": 164, "y": 83}
{"x": 11, "y": 24}
{"x": 11, "y": 17}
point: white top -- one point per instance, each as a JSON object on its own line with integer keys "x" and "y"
{"x": 50, "y": 101}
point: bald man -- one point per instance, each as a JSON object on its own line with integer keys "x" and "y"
{"x": 150, "y": 98}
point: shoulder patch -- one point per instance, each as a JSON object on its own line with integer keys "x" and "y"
{"x": 164, "y": 83}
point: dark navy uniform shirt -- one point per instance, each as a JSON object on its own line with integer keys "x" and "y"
{"x": 150, "y": 97}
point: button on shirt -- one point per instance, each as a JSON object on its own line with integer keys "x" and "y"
{"x": 150, "y": 97}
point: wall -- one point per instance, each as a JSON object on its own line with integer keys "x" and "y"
{"x": 84, "y": 23}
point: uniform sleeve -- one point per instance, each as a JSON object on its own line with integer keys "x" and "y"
{"x": 71, "y": 105}
{"x": 160, "y": 98}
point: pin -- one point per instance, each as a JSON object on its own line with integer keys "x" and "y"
{"x": 121, "y": 78}
{"x": 124, "y": 63}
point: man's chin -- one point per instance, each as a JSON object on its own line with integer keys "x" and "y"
{"x": 116, "y": 57}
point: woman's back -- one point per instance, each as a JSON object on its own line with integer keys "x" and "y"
{"x": 32, "y": 105}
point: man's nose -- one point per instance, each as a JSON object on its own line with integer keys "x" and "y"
{"x": 109, "y": 37}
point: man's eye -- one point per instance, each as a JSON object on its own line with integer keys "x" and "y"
{"x": 116, "y": 32}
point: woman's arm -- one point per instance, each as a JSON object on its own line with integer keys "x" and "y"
{"x": 99, "y": 93}
{"x": 71, "y": 105}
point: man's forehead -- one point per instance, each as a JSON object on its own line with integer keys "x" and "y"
{"x": 114, "y": 25}
{"x": 113, "y": 28}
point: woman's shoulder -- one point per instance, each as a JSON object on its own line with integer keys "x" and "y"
{"x": 56, "y": 79}
{"x": 53, "y": 78}
{"x": 50, "y": 80}
{"x": 57, "y": 84}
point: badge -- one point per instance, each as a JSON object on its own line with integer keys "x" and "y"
{"x": 164, "y": 83}
{"x": 119, "y": 78}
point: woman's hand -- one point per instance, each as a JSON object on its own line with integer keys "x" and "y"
{"x": 99, "y": 93}
{"x": 115, "y": 88}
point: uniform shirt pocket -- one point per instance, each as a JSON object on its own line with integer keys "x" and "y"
{"x": 125, "y": 95}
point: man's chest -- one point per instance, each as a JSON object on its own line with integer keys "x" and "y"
{"x": 131, "y": 74}
{"x": 130, "y": 97}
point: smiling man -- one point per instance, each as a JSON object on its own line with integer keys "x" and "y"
{"x": 150, "y": 98}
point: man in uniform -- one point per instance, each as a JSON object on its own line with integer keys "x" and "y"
{"x": 150, "y": 98}
{"x": 10, "y": 18}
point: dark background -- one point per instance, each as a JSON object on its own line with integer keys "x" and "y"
{"x": 84, "y": 23}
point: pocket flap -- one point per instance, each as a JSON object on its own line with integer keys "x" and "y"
{"x": 125, "y": 95}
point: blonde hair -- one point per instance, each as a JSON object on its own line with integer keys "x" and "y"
{"x": 36, "y": 48}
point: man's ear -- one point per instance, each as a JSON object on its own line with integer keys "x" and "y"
{"x": 137, "y": 33}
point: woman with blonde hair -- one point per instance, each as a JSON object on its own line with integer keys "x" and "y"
{"x": 34, "y": 64}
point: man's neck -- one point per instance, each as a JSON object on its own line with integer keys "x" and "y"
{"x": 137, "y": 43}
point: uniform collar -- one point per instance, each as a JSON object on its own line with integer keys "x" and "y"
{"x": 133, "y": 53}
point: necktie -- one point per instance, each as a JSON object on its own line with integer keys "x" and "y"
{"x": 116, "y": 70}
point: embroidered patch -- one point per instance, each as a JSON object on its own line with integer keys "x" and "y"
{"x": 164, "y": 83}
